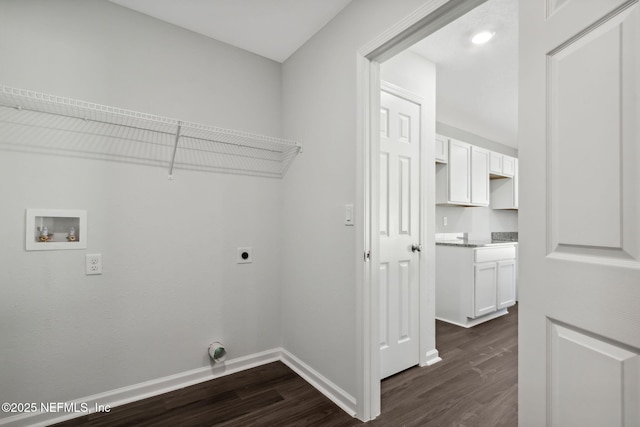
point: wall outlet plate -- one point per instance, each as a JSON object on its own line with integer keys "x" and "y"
{"x": 244, "y": 256}
{"x": 93, "y": 264}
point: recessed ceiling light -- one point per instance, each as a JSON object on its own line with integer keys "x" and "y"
{"x": 482, "y": 37}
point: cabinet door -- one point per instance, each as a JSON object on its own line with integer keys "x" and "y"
{"x": 479, "y": 176}
{"x": 508, "y": 166}
{"x": 485, "y": 288}
{"x": 441, "y": 149}
{"x": 459, "y": 172}
{"x": 515, "y": 184}
{"x": 506, "y": 283}
{"x": 495, "y": 165}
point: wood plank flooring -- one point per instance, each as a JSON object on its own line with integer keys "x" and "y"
{"x": 474, "y": 385}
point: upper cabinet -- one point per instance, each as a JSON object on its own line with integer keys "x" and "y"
{"x": 442, "y": 149}
{"x": 479, "y": 176}
{"x": 464, "y": 180}
{"x": 502, "y": 165}
{"x": 509, "y": 166}
{"x": 504, "y": 191}
{"x": 463, "y": 173}
{"x": 458, "y": 177}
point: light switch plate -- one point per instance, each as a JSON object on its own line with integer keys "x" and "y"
{"x": 348, "y": 215}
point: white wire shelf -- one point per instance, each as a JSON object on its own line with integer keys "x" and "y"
{"x": 52, "y": 124}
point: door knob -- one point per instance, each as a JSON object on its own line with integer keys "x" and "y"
{"x": 416, "y": 247}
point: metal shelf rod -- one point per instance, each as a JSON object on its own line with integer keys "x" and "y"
{"x": 175, "y": 150}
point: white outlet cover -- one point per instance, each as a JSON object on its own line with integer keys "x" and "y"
{"x": 245, "y": 255}
{"x": 93, "y": 264}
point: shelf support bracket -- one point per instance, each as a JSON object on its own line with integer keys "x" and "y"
{"x": 175, "y": 150}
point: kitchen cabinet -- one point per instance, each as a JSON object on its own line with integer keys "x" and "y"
{"x": 495, "y": 165}
{"x": 484, "y": 288}
{"x": 479, "y": 176}
{"x": 441, "y": 149}
{"x": 501, "y": 165}
{"x": 459, "y": 173}
{"x": 504, "y": 191}
{"x": 508, "y": 166}
{"x": 474, "y": 284}
{"x": 506, "y": 283}
{"x": 464, "y": 180}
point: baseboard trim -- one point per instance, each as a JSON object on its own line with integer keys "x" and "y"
{"x": 135, "y": 392}
{"x": 338, "y": 396}
{"x": 145, "y": 389}
{"x": 470, "y": 323}
{"x": 431, "y": 358}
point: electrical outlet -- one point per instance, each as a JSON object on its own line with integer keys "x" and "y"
{"x": 244, "y": 256}
{"x": 444, "y": 221}
{"x": 93, "y": 264}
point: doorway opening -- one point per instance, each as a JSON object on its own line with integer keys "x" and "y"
{"x": 376, "y": 67}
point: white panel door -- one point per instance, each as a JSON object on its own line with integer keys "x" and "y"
{"x": 399, "y": 231}
{"x": 579, "y": 218}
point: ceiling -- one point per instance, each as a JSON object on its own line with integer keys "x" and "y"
{"x": 270, "y": 28}
{"x": 477, "y": 85}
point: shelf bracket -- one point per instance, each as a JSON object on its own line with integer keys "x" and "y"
{"x": 175, "y": 150}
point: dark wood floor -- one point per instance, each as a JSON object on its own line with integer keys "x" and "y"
{"x": 474, "y": 385}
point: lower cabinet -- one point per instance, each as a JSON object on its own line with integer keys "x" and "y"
{"x": 506, "y": 284}
{"x": 474, "y": 285}
{"x": 484, "y": 289}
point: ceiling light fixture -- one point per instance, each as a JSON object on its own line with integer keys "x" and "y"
{"x": 482, "y": 37}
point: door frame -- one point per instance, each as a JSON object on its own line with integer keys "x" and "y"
{"x": 431, "y": 16}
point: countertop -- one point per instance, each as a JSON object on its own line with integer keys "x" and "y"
{"x": 466, "y": 243}
{"x": 461, "y": 240}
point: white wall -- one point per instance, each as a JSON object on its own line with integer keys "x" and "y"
{"x": 479, "y": 222}
{"x": 319, "y": 282}
{"x": 170, "y": 284}
{"x": 461, "y": 131}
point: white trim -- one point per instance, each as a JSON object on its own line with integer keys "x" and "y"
{"x": 475, "y": 322}
{"x": 400, "y": 27}
{"x": 400, "y": 36}
{"x": 155, "y": 387}
{"x": 403, "y": 93}
{"x": 338, "y": 396}
{"x": 366, "y": 391}
{"x": 431, "y": 358}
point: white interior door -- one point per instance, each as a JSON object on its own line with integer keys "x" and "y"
{"x": 579, "y": 214}
{"x": 399, "y": 231}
